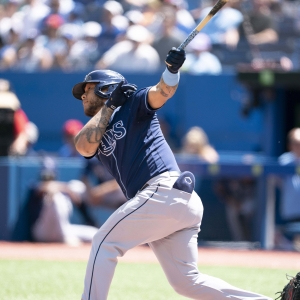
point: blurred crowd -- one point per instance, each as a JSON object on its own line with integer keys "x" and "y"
{"x": 80, "y": 35}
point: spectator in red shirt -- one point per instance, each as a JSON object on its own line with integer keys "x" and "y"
{"x": 14, "y": 133}
{"x": 70, "y": 129}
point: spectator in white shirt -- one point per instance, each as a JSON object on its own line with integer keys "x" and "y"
{"x": 199, "y": 59}
{"x": 134, "y": 54}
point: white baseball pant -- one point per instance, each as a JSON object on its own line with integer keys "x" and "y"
{"x": 169, "y": 221}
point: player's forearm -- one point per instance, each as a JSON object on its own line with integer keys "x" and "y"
{"x": 167, "y": 89}
{"x": 163, "y": 91}
{"x": 158, "y": 95}
{"x": 89, "y": 137}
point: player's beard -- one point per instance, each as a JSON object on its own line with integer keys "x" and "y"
{"x": 93, "y": 105}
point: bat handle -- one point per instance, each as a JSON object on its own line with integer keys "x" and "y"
{"x": 188, "y": 39}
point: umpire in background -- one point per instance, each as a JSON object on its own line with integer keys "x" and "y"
{"x": 162, "y": 209}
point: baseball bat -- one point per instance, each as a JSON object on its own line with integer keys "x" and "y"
{"x": 212, "y": 12}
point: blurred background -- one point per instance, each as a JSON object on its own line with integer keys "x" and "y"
{"x": 234, "y": 119}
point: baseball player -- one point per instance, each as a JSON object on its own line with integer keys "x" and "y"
{"x": 163, "y": 209}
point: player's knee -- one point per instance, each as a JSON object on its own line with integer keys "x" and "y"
{"x": 184, "y": 286}
{"x": 181, "y": 289}
{"x": 106, "y": 255}
{"x": 109, "y": 251}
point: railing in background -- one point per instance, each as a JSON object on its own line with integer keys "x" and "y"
{"x": 17, "y": 174}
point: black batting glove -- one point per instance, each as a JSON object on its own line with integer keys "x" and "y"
{"x": 117, "y": 97}
{"x": 128, "y": 89}
{"x": 175, "y": 59}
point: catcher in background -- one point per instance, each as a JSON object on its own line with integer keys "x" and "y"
{"x": 162, "y": 208}
{"x": 50, "y": 206}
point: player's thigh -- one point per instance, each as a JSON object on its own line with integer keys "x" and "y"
{"x": 143, "y": 219}
{"x": 178, "y": 254}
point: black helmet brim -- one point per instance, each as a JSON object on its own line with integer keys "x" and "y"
{"x": 78, "y": 90}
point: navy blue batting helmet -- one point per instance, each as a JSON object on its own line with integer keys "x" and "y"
{"x": 105, "y": 79}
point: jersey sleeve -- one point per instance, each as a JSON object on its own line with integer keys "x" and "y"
{"x": 142, "y": 105}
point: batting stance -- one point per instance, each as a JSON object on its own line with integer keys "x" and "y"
{"x": 163, "y": 209}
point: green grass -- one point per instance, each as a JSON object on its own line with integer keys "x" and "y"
{"x": 54, "y": 280}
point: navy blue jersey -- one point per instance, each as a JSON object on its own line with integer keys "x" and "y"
{"x": 133, "y": 148}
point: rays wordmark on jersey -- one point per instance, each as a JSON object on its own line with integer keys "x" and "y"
{"x": 110, "y": 137}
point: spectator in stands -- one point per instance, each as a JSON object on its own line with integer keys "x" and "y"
{"x": 151, "y": 16}
{"x": 84, "y": 52}
{"x": 53, "y": 41}
{"x": 11, "y": 27}
{"x": 196, "y": 142}
{"x": 118, "y": 19}
{"x": 293, "y": 143}
{"x": 32, "y": 56}
{"x": 69, "y": 130}
{"x": 110, "y": 31}
{"x": 11, "y": 7}
{"x": 258, "y": 25}
{"x": 8, "y": 52}
{"x": 136, "y": 47}
{"x": 168, "y": 35}
{"x": 134, "y": 16}
{"x": 23, "y": 145}
{"x": 50, "y": 205}
{"x": 76, "y": 14}
{"x": 184, "y": 20}
{"x": 70, "y": 34}
{"x": 32, "y": 13}
{"x": 9, "y": 104}
{"x": 290, "y": 195}
{"x": 66, "y": 7}
{"x": 92, "y": 10}
{"x": 199, "y": 59}
{"x": 54, "y": 14}
{"x": 32, "y": 135}
{"x": 238, "y": 195}
{"x": 13, "y": 123}
{"x": 223, "y": 28}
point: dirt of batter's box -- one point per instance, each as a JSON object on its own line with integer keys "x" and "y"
{"x": 207, "y": 256}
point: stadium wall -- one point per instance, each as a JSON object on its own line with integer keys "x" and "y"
{"x": 211, "y": 102}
